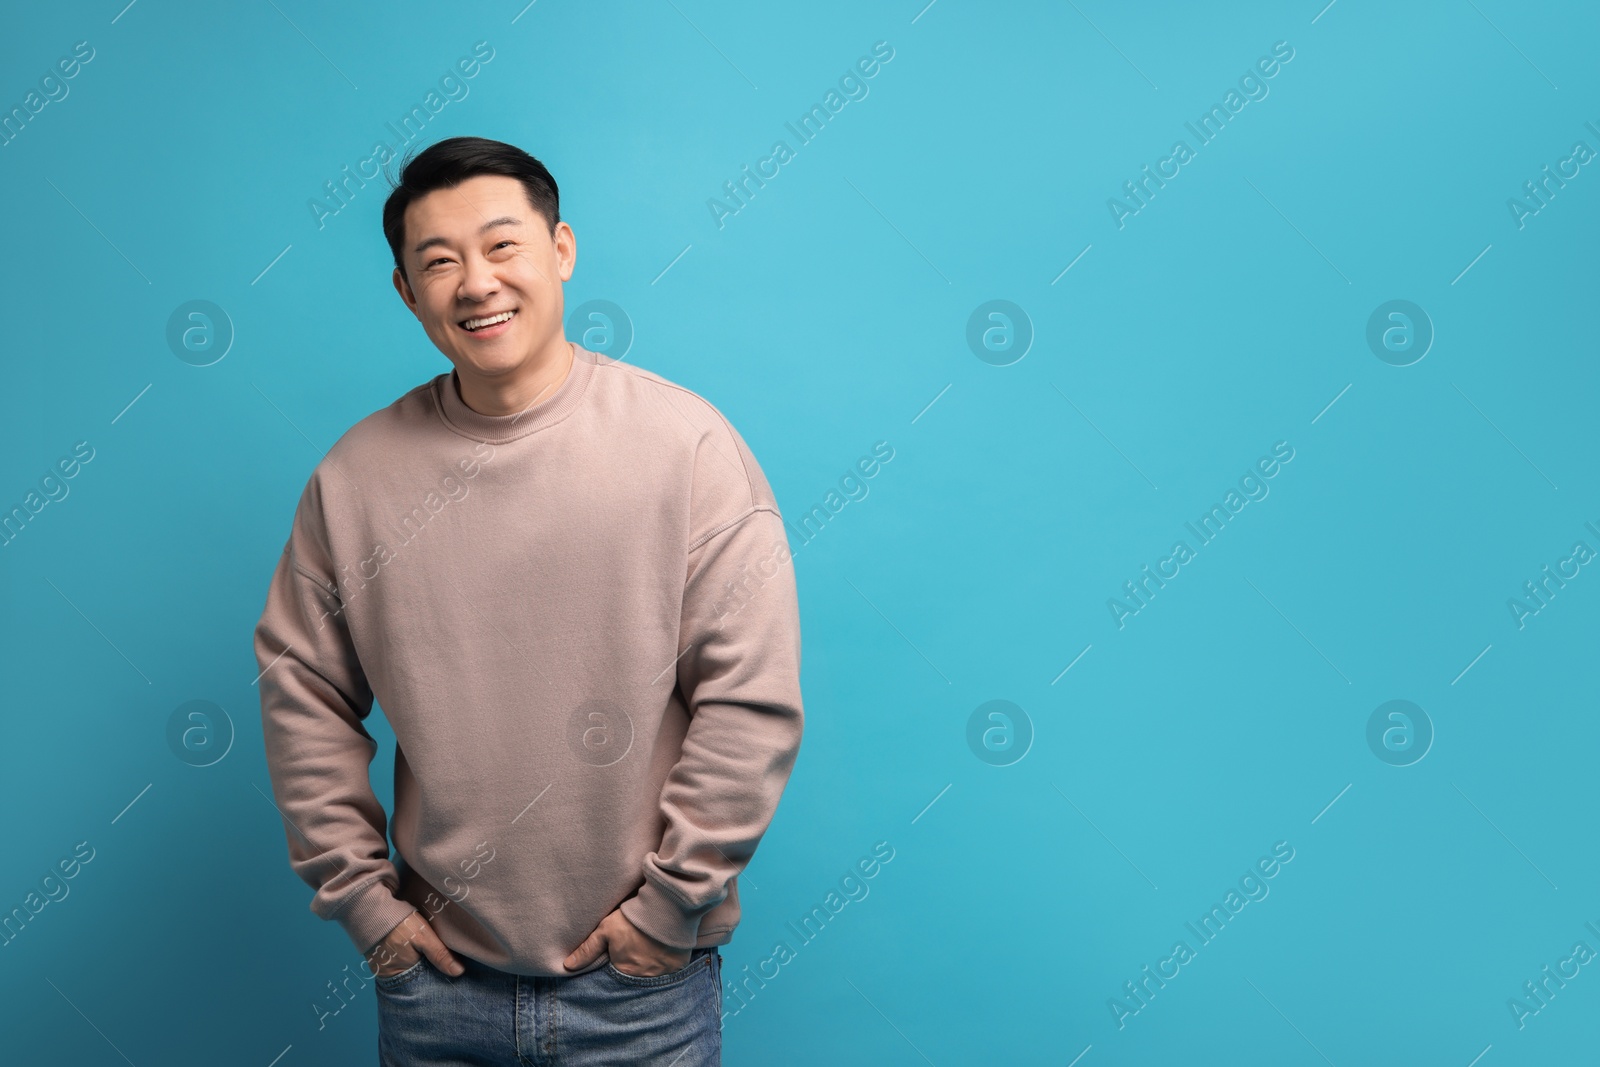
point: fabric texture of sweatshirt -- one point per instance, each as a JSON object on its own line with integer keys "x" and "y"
{"x": 581, "y": 622}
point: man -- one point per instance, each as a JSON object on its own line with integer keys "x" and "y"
{"x": 566, "y": 582}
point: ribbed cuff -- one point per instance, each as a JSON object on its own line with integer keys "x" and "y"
{"x": 658, "y": 913}
{"x": 369, "y": 917}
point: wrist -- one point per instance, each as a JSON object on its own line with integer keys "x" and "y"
{"x": 659, "y": 916}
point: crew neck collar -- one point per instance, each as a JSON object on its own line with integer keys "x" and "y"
{"x": 499, "y": 429}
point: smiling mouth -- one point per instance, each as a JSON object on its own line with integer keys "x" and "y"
{"x": 487, "y": 321}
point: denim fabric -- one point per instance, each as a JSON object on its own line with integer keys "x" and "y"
{"x": 602, "y": 1018}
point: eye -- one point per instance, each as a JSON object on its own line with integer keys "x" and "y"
{"x": 508, "y": 242}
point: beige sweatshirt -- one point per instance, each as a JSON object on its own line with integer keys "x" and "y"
{"x": 581, "y": 623}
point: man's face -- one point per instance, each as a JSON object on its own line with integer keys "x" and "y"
{"x": 476, "y": 251}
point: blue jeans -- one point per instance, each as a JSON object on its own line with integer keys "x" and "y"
{"x": 602, "y": 1018}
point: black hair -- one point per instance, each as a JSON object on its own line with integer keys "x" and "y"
{"x": 450, "y": 162}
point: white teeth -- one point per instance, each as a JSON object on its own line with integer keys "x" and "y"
{"x": 478, "y": 324}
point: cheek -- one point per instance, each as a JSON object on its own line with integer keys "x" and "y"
{"x": 432, "y": 297}
{"x": 437, "y": 308}
{"x": 542, "y": 271}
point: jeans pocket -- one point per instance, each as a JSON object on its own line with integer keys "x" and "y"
{"x": 699, "y": 961}
{"x": 390, "y": 982}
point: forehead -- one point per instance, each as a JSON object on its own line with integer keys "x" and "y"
{"x": 457, "y": 212}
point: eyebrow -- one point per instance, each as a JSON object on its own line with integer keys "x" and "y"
{"x": 503, "y": 220}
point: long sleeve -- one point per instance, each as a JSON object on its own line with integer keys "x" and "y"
{"x": 495, "y": 581}
{"x": 314, "y": 700}
{"x": 740, "y": 677}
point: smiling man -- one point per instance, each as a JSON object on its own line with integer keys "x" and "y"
{"x": 588, "y": 748}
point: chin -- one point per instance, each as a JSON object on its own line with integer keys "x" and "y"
{"x": 491, "y": 365}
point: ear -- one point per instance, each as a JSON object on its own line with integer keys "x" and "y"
{"x": 566, "y": 243}
{"x": 404, "y": 289}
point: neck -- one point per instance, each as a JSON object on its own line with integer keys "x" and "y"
{"x": 513, "y": 394}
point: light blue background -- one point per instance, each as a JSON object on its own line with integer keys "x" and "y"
{"x": 825, "y": 316}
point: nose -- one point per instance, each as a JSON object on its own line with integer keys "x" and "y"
{"x": 478, "y": 280}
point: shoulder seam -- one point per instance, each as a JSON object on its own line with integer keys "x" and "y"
{"x": 655, "y": 379}
{"x": 735, "y": 521}
{"x": 325, "y": 585}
